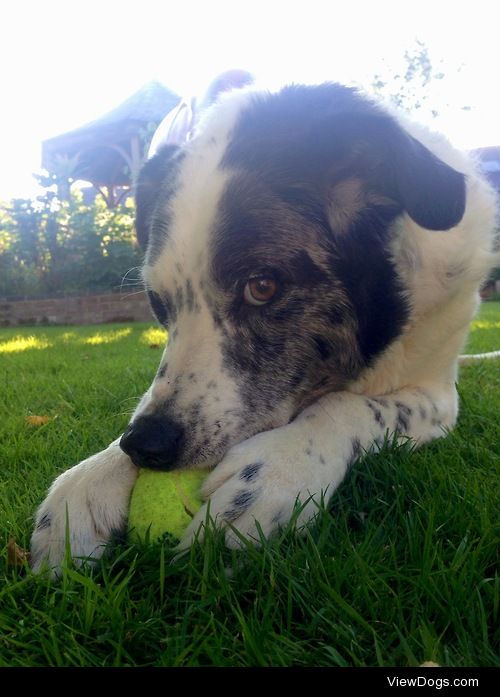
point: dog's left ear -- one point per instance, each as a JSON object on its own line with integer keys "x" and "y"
{"x": 432, "y": 192}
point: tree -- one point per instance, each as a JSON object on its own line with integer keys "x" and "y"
{"x": 53, "y": 246}
{"x": 418, "y": 86}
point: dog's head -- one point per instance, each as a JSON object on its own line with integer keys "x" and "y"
{"x": 268, "y": 259}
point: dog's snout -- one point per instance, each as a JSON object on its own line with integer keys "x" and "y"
{"x": 153, "y": 442}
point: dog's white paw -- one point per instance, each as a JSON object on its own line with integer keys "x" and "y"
{"x": 257, "y": 484}
{"x": 85, "y": 506}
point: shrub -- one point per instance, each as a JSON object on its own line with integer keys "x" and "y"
{"x": 53, "y": 247}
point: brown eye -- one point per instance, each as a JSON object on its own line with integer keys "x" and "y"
{"x": 259, "y": 290}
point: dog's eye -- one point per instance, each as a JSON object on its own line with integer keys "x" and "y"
{"x": 259, "y": 290}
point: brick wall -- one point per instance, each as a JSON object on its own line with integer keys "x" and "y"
{"x": 87, "y": 309}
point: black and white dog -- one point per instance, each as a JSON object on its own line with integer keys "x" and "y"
{"x": 316, "y": 260}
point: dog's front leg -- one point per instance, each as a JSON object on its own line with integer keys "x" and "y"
{"x": 85, "y": 506}
{"x": 260, "y": 480}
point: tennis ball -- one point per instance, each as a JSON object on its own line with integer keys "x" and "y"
{"x": 164, "y": 502}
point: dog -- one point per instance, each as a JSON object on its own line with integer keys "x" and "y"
{"x": 316, "y": 259}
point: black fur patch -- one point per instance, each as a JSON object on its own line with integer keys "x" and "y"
{"x": 323, "y": 348}
{"x": 299, "y": 143}
{"x": 159, "y": 307}
{"x": 190, "y": 297}
{"x": 274, "y": 218}
{"x": 240, "y": 504}
{"x": 362, "y": 264}
{"x": 403, "y": 417}
{"x": 162, "y": 371}
{"x": 155, "y": 186}
{"x": 179, "y": 299}
{"x": 377, "y": 414}
{"x": 44, "y": 523}
{"x": 271, "y": 349}
{"x": 250, "y": 472}
{"x": 355, "y": 452}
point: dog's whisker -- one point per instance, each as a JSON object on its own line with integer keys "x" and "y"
{"x": 126, "y": 278}
{"x": 128, "y": 295}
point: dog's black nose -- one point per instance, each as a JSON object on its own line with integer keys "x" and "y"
{"x": 152, "y": 442}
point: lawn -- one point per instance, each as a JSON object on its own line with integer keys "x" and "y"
{"x": 401, "y": 569}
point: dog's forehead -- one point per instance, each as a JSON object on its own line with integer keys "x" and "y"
{"x": 192, "y": 210}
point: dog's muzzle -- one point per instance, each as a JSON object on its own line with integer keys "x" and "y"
{"x": 153, "y": 442}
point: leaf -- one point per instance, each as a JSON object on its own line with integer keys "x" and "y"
{"x": 16, "y": 556}
{"x": 38, "y": 420}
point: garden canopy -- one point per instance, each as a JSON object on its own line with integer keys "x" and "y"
{"x": 108, "y": 151}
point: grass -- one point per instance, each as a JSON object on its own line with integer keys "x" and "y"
{"x": 402, "y": 568}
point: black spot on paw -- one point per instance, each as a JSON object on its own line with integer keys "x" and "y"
{"x": 162, "y": 370}
{"x": 403, "y": 417}
{"x": 45, "y": 522}
{"x": 190, "y": 296}
{"x": 179, "y": 299}
{"x": 402, "y": 423}
{"x": 240, "y": 504}
{"x": 377, "y": 414}
{"x": 404, "y": 408}
{"x": 355, "y": 452}
{"x": 250, "y": 472}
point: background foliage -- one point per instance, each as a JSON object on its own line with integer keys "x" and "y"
{"x": 52, "y": 246}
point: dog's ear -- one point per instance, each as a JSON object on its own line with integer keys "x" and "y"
{"x": 432, "y": 192}
{"x": 375, "y": 152}
{"x": 153, "y": 182}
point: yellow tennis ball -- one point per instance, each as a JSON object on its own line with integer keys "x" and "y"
{"x": 164, "y": 502}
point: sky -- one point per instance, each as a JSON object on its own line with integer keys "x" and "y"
{"x": 66, "y": 62}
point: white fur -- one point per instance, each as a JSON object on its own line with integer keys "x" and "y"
{"x": 86, "y": 505}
